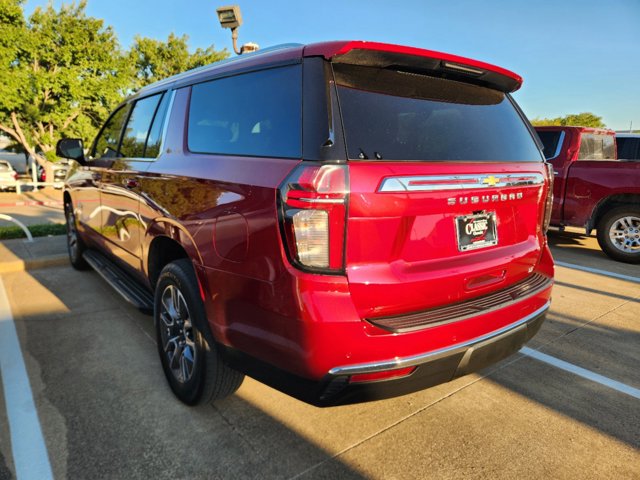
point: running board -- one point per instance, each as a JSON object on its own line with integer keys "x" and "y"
{"x": 121, "y": 281}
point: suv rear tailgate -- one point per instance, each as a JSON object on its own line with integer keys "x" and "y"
{"x": 403, "y": 252}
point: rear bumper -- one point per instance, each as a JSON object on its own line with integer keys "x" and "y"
{"x": 431, "y": 368}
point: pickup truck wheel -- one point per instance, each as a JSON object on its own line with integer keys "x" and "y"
{"x": 75, "y": 245}
{"x": 619, "y": 234}
{"x": 190, "y": 359}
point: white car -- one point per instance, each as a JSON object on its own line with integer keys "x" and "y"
{"x": 8, "y": 176}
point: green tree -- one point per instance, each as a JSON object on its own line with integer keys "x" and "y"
{"x": 155, "y": 59}
{"x": 584, "y": 119}
{"x": 61, "y": 74}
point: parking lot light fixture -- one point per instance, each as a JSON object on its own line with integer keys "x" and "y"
{"x": 230, "y": 17}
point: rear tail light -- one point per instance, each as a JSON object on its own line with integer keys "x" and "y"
{"x": 548, "y": 206}
{"x": 15, "y": 175}
{"x": 313, "y": 201}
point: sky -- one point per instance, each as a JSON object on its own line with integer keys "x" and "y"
{"x": 574, "y": 55}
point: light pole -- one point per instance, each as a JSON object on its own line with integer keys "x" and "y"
{"x": 230, "y": 17}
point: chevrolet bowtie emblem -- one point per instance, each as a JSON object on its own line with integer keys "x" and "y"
{"x": 491, "y": 180}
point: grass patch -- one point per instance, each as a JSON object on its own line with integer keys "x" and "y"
{"x": 44, "y": 230}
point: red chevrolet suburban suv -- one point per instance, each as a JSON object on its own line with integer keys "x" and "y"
{"x": 344, "y": 221}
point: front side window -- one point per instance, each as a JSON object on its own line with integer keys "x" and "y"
{"x": 106, "y": 145}
{"x": 597, "y": 147}
{"x": 399, "y": 115}
{"x": 135, "y": 135}
{"x": 253, "y": 114}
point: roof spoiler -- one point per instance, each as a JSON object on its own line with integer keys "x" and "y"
{"x": 386, "y": 55}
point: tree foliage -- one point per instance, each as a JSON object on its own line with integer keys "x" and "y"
{"x": 62, "y": 72}
{"x": 155, "y": 60}
{"x": 584, "y": 119}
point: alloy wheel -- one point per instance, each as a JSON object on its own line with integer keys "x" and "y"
{"x": 177, "y": 335}
{"x": 625, "y": 234}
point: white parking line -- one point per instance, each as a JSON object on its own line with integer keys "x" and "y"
{"x": 598, "y": 271}
{"x": 581, "y": 372}
{"x": 30, "y": 455}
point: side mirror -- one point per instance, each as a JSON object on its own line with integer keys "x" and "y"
{"x": 71, "y": 148}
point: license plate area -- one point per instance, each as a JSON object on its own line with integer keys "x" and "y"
{"x": 476, "y": 231}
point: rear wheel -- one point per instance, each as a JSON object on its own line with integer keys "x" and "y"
{"x": 619, "y": 234}
{"x": 75, "y": 245}
{"x": 190, "y": 359}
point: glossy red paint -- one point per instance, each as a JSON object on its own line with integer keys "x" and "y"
{"x": 334, "y": 49}
{"x": 582, "y": 186}
{"x": 223, "y": 211}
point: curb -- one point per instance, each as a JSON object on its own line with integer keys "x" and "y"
{"x": 33, "y": 264}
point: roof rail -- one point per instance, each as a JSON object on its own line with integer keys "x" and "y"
{"x": 204, "y": 68}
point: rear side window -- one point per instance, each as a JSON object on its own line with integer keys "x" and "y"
{"x": 257, "y": 114}
{"x": 106, "y": 145}
{"x": 596, "y": 147}
{"x": 550, "y": 140}
{"x": 397, "y": 115}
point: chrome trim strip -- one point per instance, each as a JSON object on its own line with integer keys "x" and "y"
{"x": 437, "y": 183}
{"x": 436, "y": 354}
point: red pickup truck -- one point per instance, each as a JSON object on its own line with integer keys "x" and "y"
{"x": 593, "y": 189}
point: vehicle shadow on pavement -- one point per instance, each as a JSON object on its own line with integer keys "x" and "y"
{"x": 602, "y": 349}
{"x": 557, "y": 238}
{"x": 105, "y": 408}
{"x": 106, "y": 411}
{"x": 598, "y": 291}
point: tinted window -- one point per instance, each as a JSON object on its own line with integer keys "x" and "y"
{"x": 106, "y": 144}
{"x": 152, "y": 149}
{"x": 628, "y": 148}
{"x": 596, "y": 147}
{"x": 406, "y": 116}
{"x": 550, "y": 141}
{"x": 256, "y": 113}
{"x": 137, "y": 131}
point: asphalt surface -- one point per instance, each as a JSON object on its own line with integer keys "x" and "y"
{"x": 33, "y": 207}
{"x": 105, "y": 410}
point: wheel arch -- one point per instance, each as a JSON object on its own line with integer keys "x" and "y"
{"x": 609, "y": 203}
{"x": 167, "y": 240}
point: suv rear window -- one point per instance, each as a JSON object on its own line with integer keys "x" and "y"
{"x": 596, "y": 147}
{"x": 397, "y": 115}
{"x": 258, "y": 114}
{"x": 550, "y": 141}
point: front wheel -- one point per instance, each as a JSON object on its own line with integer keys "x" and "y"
{"x": 75, "y": 245}
{"x": 190, "y": 359}
{"x": 619, "y": 234}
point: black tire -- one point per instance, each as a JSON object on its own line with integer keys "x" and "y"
{"x": 190, "y": 358}
{"x": 75, "y": 245}
{"x": 619, "y": 234}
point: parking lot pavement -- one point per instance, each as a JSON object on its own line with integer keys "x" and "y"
{"x": 574, "y": 247}
{"x": 33, "y": 207}
{"x": 106, "y": 412}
